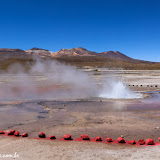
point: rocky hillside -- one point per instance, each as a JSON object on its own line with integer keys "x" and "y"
{"x": 12, "y": 53}
{"x": 18, "y": 53}
{"x": 76, "y": 56}
{"x": 39, "y": 52}
{"x": 77, "y": 52}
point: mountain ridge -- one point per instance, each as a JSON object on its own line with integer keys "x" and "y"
{"x": 80, "y": 51}
{"x": 75, "y": 56}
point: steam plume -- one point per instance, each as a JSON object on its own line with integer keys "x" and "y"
{"x": 48, "y": 79}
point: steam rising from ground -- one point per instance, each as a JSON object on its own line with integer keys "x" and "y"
{"x": 46, "y": 79}
{"x": 116, "y": 89}
{"x": 52, "y": 80}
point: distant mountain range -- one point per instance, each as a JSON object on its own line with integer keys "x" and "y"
{"x": 81, "y": 57}
{"x": 7, "y": 52}
{"x": 77, "y": 52}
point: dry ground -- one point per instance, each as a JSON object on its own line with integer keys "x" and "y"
{"x": 134, "y": 119}
{"x": 49, "y": 150}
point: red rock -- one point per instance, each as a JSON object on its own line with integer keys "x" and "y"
{"x": 67, "y": 137}
{"x": 41, "y": 135}
{"x": 85, "y": 137}
{"x": 131, "y": 142}
{"x": 121, "y": 140}
{"x": 11, "y": 132}
{"x": 2, "y": 132}
{"x": 24, "y": 135}
{"x": 109, "y": 140}
{"x": 52, "y": 137}
{"x": 150, "y": 142}
{"x": 98, "y": 139}
{"x": 16, "y": 133}
{"x": 141, "y": 142}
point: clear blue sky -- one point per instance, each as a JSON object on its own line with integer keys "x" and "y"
{"x": 129, "y": 26}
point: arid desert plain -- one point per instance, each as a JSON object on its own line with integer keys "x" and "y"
{"x": 128, "y": 105}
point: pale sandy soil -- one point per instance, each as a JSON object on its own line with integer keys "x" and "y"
{"x": 131, "y": 77}
{"x": 58, "y": 150}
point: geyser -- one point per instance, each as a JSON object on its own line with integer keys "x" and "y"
{"x": 113, "y": 88}
{"x": 51, "y": 79}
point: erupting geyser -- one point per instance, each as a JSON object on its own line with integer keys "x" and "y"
{"x": 116, "y": 89}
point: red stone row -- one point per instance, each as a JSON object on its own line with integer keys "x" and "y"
{"x": 85, "y": 138}
{"x": 14, "y": 133}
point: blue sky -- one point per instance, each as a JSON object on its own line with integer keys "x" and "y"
{"x": 129, "y": 26}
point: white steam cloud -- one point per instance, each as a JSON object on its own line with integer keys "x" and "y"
{"x": 116, "y": 89}
{"x": 46, "y": 79}
{"x": 54, "y": 80}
